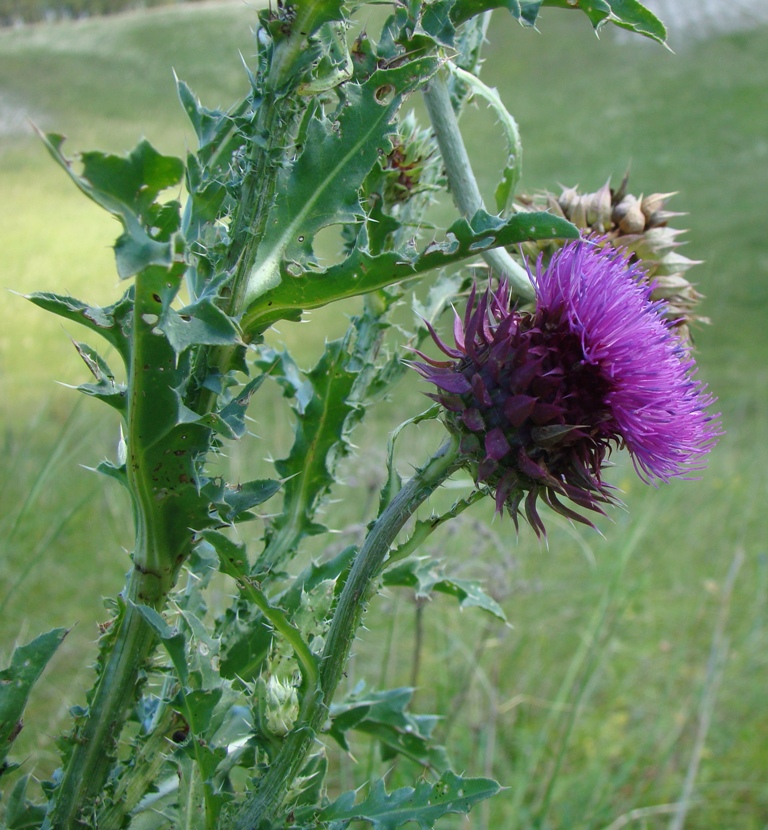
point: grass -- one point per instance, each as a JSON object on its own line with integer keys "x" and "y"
{"x": 592, "y": 708}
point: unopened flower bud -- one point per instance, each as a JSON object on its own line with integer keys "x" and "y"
{"x": 281, "y": 706}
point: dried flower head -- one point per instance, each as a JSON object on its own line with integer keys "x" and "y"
{"x": 638, "y": 224}
{"x": 541, "y": 398}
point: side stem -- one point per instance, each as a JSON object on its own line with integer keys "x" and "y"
{"x": 461, "y": 180}
{"x": 263, "y": 805}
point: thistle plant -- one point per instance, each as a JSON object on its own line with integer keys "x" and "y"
{"x": 222, "y": 717}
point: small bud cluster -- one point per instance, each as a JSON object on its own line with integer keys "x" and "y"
{"x": 413, "y": 152}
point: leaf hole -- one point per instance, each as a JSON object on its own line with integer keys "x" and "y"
{"x": 482, "y": 244}
{"x": 385, "y": 94}
{"x": 294, "y": 269}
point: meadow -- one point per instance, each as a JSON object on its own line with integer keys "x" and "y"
{"x": 629, "y": 690}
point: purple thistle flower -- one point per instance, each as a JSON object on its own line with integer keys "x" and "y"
{"x": 541, "y": 398}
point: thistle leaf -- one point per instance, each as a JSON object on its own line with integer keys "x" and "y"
{"x": 202, "y": 323}
{"x": 217, "y": 132}
{"x": 426, "y": 576}
{"x": 106, "y": 388}
{"x": 16, "y": 682}
{"x": 111, "y": 322}
{"x": 234, "y": 562}
{"x": 628, "y": 14}
{"x": 424, "y": 805}
{"x": 237, "y": 501}
{"x": 321, "y": 187}
{"x": 361, "y": 272}
{"x": 308, "y": 787}
{"x": 248, "y": 638}
{"x": 126, "y": 187}
{"x": 20, "y": 813}
{"x": 198, "y": 706}
{"x": 384, "y": 716}
{"x": 513, "y": 169}
{"x": 321, "y": 411}
{"x": 173, "y": 640}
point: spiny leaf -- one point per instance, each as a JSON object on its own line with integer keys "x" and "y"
{"x": 197, "y": 706}
{"x": 384, "y": 716}
{"x": 321, "y": 187}
{"x": 237, "y": 501}
{"x": 202, "y": 323}
{"x": 247, "y": 636}
{"x": 121, "y": 184}
{"x": 217, "y": 132}
{"x": 116, "y": 471}
{"x": 233, "y": 412}
{"x": 127, "y": 187}
{"x": 361, "y": 272}
{"x": 427, "y": 575}
{"x": 308, "y": 787}
{"x": 16, "y": 682}
{"x": 424, "y": 805}
{"x": 191, "y": 800}
{"x": 319, "y": 439}
{"x": 312, "y": 14}
{"x": 513, "y": 169}
{"x": 463, "y": 10}
{"x": 20, "y": 813}
{"x": 173, "y": 640}
{"x": 314, "y": 574}
{"x": 111, "y": 322}
{"x": 106, "y": 388}
{"x": 234, "y": 563}
{"x": 198, "y": 803}
{"x": 442, "y": 293}
{"x": 107, "y": 391}
{"x": 628, "y": 14}
{"x": 394, "y": 482}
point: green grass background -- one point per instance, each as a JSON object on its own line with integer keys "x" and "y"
{"x": 629, "y": 657}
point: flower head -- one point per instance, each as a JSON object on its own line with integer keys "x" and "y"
{"x": 541, "y": 398}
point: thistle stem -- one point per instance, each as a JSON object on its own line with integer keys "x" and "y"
{"x": 96, "y": 741}
{"x": 461, "y": 180}
{"x": 263, "y": 805}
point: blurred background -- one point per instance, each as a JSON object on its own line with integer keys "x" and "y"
{"x": 630, "y": 688}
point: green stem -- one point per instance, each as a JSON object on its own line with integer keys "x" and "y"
{"x": 144, "y": 772}
{"x": 162, "y": 543}
{"x": 263, "y": 805}
{"x": 461, "y": 179}
{"x": 96, "y": 741}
